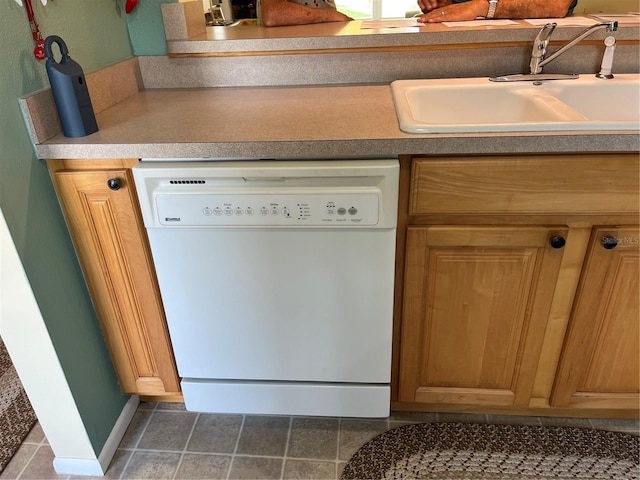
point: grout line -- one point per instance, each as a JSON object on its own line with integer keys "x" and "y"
{"x": 222, "y": 454}
{"x": 235, "y": 448}
{"x": 338, "y": 443}
{"x": 144, "y": 430}
{"x": 135, "y": 445}
{"x": 186, "y": 444}
{"x": 286, "y": 447}
{"x": 26, "y": 464}
{"x": 126, "y": 465}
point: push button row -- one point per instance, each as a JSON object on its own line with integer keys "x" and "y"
{"x": 342, "y": 211}
{"x": 229, "y": 211}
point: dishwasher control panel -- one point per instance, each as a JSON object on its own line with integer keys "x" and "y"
{"x": 262, "y": 210}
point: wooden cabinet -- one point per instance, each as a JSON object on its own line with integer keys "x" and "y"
{"x": 506, "y": 298}
{"x": 509, "y": 300}
{"x": 599, "y": 367}
{"x": 476, "y": 306}
{"x": 100, "y": 205}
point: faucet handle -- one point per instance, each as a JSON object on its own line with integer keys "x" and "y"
{"x": 542, "y": 39}
{"x": 540, "y": 45}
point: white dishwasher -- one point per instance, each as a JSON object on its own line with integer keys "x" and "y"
{"x": 277, "y": 280}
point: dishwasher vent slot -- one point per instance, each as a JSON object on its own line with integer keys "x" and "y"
{"x": 187, "y": 182}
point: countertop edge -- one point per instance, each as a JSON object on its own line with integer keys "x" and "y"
{"x": 219, "y": 40}
{"x": 485, "y": 144}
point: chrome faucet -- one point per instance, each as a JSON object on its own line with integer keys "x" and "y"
{"x": 539, "y": 52}
{"x": 541, "y": 42}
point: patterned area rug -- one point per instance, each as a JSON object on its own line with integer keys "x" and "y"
{"x": 455, "y": 451}
{"x": 16, "y": 415}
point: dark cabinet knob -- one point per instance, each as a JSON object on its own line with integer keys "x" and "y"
{"x": 609, "y": 242}
{"x": 557, "y": 242}
{"x": 114, "y": 184}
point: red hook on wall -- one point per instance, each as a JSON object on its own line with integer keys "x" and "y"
{"x": 35, "y": 31}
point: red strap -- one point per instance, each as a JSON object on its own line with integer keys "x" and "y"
{"x": 29, "y": 7}
{"x": 35, "y": 31}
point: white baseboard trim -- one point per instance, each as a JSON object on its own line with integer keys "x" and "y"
{"x": 118, "y": 431}
{"x": 78, "y": 466}
{"x": 98, "y": 466}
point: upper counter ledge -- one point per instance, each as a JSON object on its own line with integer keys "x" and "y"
{"x": 187, "y": 36}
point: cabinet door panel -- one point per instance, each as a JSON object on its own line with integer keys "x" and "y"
{"x": 475, "y": 307}
{"x": 599, "y": 366}
{"x": 111, "y": 243}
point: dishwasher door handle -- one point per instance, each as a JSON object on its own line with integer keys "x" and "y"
{"x": 264, "y": 179}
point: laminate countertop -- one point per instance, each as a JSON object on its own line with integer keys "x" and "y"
{"x": 292, "y": 122}
{"x": 222, "y": 41}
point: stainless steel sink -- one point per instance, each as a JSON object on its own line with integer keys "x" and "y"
{"x": 478, "y": 105}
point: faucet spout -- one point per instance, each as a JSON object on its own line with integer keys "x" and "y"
{"x": 540, "y": 61}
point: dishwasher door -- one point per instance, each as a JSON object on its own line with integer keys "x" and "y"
{"x": 288, "y": 308}
{"x": 310, "y": 305}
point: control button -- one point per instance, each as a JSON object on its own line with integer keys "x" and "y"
{"x": 342, "y": 211}
{"x": 239, "y": 211}
{"x": 264, "y": 211}
{"x": 331, "y": 211}
{"x": 249, "y": 211}
{"x": 228, "y": 211}
{"x": 353, "y": 211}
{"x": 207, "y": 211}
{"x": 217, "y": 211}
{"x": 274, "y": 211}
{"x": 285, "y": 212}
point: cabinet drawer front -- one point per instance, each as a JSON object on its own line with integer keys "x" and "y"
{"x": 589, "y": 184}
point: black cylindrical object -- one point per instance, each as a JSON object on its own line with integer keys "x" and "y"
{"x": 244, "y": 9}
{"x": 70, "y": 91}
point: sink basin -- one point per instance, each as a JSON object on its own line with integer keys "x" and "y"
{"x": 479, "y": 105}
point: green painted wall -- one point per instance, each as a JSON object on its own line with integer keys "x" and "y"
{"x": 146, "y": 28}
{"x": 96, "y": 34}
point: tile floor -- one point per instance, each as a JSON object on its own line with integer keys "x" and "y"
{"x": 166, "y": 442}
